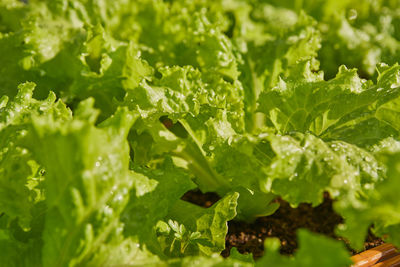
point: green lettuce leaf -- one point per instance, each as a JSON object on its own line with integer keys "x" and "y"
{"x": 87, "y": 185}
{"x": 305, "y": 166}
{"x": 378, "y": 208}
{"x": 314, "y": 250}
{"x": 210, "y": 224}
{"x": 156, "y": 192}
{"x": 21, "y": 177}
{"x": 332, "y": 109}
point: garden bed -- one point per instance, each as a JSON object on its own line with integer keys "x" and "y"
{"x": 283, "y": 224}
{"x": 111, "y": 111}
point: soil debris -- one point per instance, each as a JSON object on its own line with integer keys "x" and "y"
{"x": 283, "y": 224}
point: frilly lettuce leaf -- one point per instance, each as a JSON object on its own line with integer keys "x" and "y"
{"x": 332, "y": 109}
{"x": 303, "y": 166}
{"x": 379, "y": 208}
{"x": 21, "y": 177}
{"x": 84, "y": 200}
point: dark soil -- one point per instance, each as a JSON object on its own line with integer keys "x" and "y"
{"x": 283, "y": 224}
{"x": 205, "y": 200}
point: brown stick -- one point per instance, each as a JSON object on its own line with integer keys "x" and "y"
{"x": 374, "y": 255}
{"x": 392, "y": 262}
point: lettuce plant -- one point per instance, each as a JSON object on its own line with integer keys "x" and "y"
{"x": 111, "y": 111}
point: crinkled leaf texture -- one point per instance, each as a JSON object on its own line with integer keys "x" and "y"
{"x": 326, "y": 134}
{"x": 155, "y": 98}
{"x": 380, "y": 208}
{"x": 21, "y": 177}
{"x": 340, "y": 108}
{"x": 86, "y": 185}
